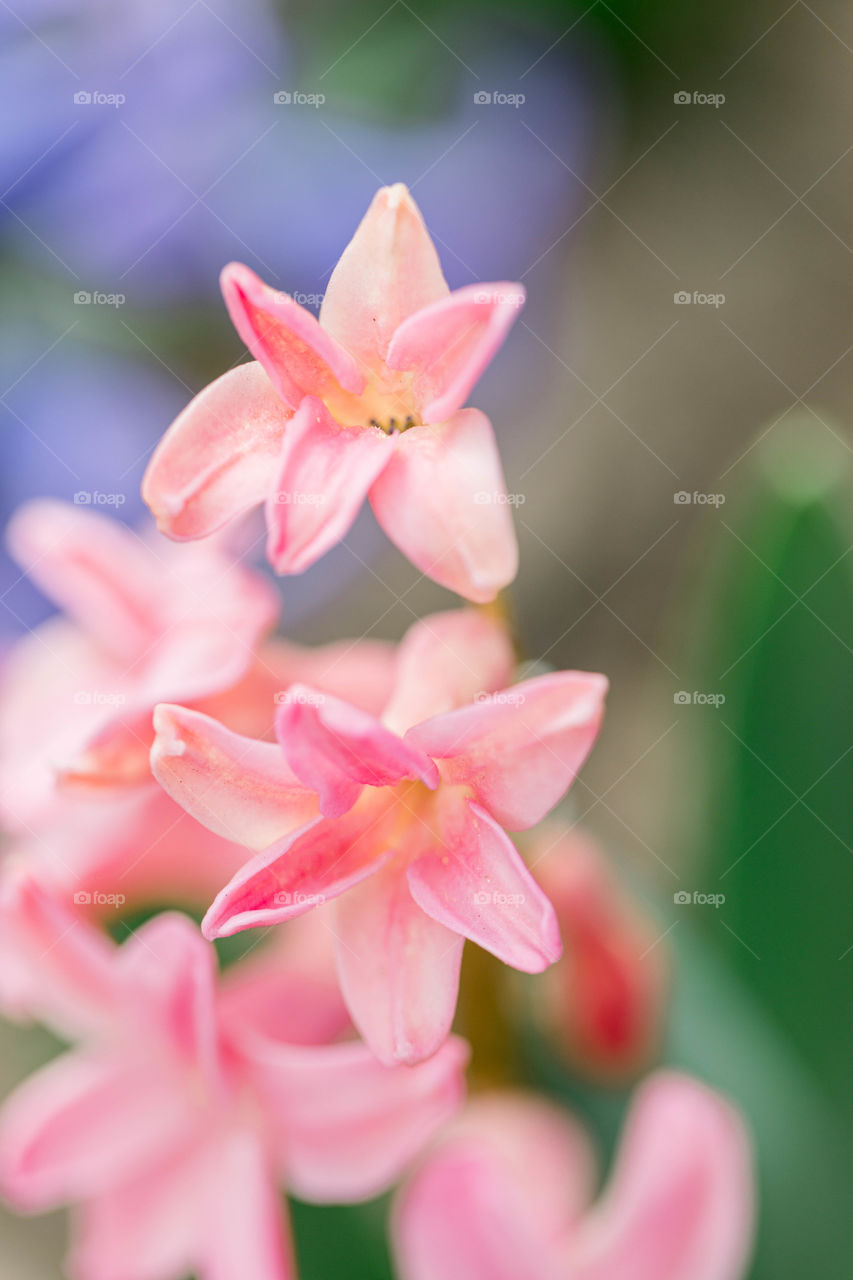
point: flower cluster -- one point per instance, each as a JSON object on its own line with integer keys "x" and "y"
{"x": 351, "y": 805}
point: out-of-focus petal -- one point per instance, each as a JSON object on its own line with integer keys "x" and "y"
{"x": 449, "y": 343}
{"x": 216, "y": 459}
{"x": 300, "y": 357}
{"x": 349, "y": 1125}
{"x": 389, "y": 270}
{"x": 237, "y": 787}
{"x": 520, "y": 749}
{"x": 314, "y": 864}
{"x": 324, "y": 473}
{"x": 399, "y": 968}
{"x": 442, "y": 500}
{"x": 244, "y": 1226}
{"x": 679, "y": 1205}
{"x": 445, "y": 661}
{"x": 337, "y": 749}
{"x": 477, "y": 884}
{"x": 361, "y": 671}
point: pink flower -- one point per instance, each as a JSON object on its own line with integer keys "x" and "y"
{"x": 172, "y": 1127}
{"x": 507, "y": 1195}
{"x": 606, "y": 998}
{"x": 144, "y": 622}
{"x": 365, "y": 401}
{"x": 413, "y": 804}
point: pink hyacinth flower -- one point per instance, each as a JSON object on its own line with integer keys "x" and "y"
{"x": 367, "y": 401}
{"x": 144, "y": 622}
{"x": 413, "y": 804}
{"x": 605, "y": 1001}
{"x": 509, "y": 1195}
{"x": 172, "y": 1127}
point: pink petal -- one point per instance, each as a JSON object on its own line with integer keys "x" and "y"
{"x": 449, "y": 343}
{"x": 235, "y": 786}
{"x": 389, "y": 270}
{"x": 337, "y": 748}
{"x": 80, "y": 1124}
{"x": 215, "y": 460}
{"x": 519, "y": 750}
{"x": 244, "y": 1228}
{"x": 349, "y": 1126}
{"x": 54, "y": 965}
{"x": 445, "y": 661}
{"x": 442, "y": 501}
{"x": 477, "y": 884}
{"x": 361, "y": 671}
{"x": 97, "y": 571}
{"x": 300, "y": 357}
{"x": 680, "y": 1203}
{"x": 325, "y": 471}
{"x": 399, "y": 969}
{"x": 316, "y": 863}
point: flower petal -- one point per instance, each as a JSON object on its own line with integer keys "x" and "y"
{"x": 244, "y": 1231}
{"x": 346, "y": 1126}
{"x": 389, "y": 270}
{"x": 237, "y": 787}
{"x": 337, "y": 748}
{"x": 679, "y": 1205}
{"x": 520, "y": 749}
{"x": 325, "y": 471}
{"x": 215, "y": 460}
{"x": 442, "y": 501}
{"x": 449, "y": 343}
{"x": 300, "y": 357}
{"x": 478, "y": 885}
{"x": 445, "y": 661}
{"x": 399, "y": 969}
{"x": 361, "y": 671}
{"x": 320, "y": 861}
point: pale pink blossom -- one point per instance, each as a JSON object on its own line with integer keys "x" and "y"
{"x": 605, "y": 1001}
{"x": 191, "y": 1100}
{"x": 509, "y": 1194}
{"x": 367, "y": 401}
{"x": 410, "y": 838}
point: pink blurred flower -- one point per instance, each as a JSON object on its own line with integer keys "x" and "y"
{"x": 508, "y": 1195}
{"x": 605, "y": 1000}
{"x": 365, "y": 401}
{"x": 172, "y": 1127}
{"x": 413, "y": 806}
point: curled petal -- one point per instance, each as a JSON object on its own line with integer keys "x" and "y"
{"x": 389, "y": 270}
{"x": 215, "y": 460}
{"x": 325, "y": 471}
{"x": 347, "y": 1125}
{"x": 300, "y": 357}
{"x": 399, "y": 968}
{"x": 519, "y": 750}
{"x": 337, "y": 748}
{"x": 237, "y": 787}
{"x": 449, "y": 343}
{"x": 442, "y": 501}
{"x": 478, "y": 885}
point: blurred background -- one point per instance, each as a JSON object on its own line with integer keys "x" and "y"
{"x": 672, "y": 183}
